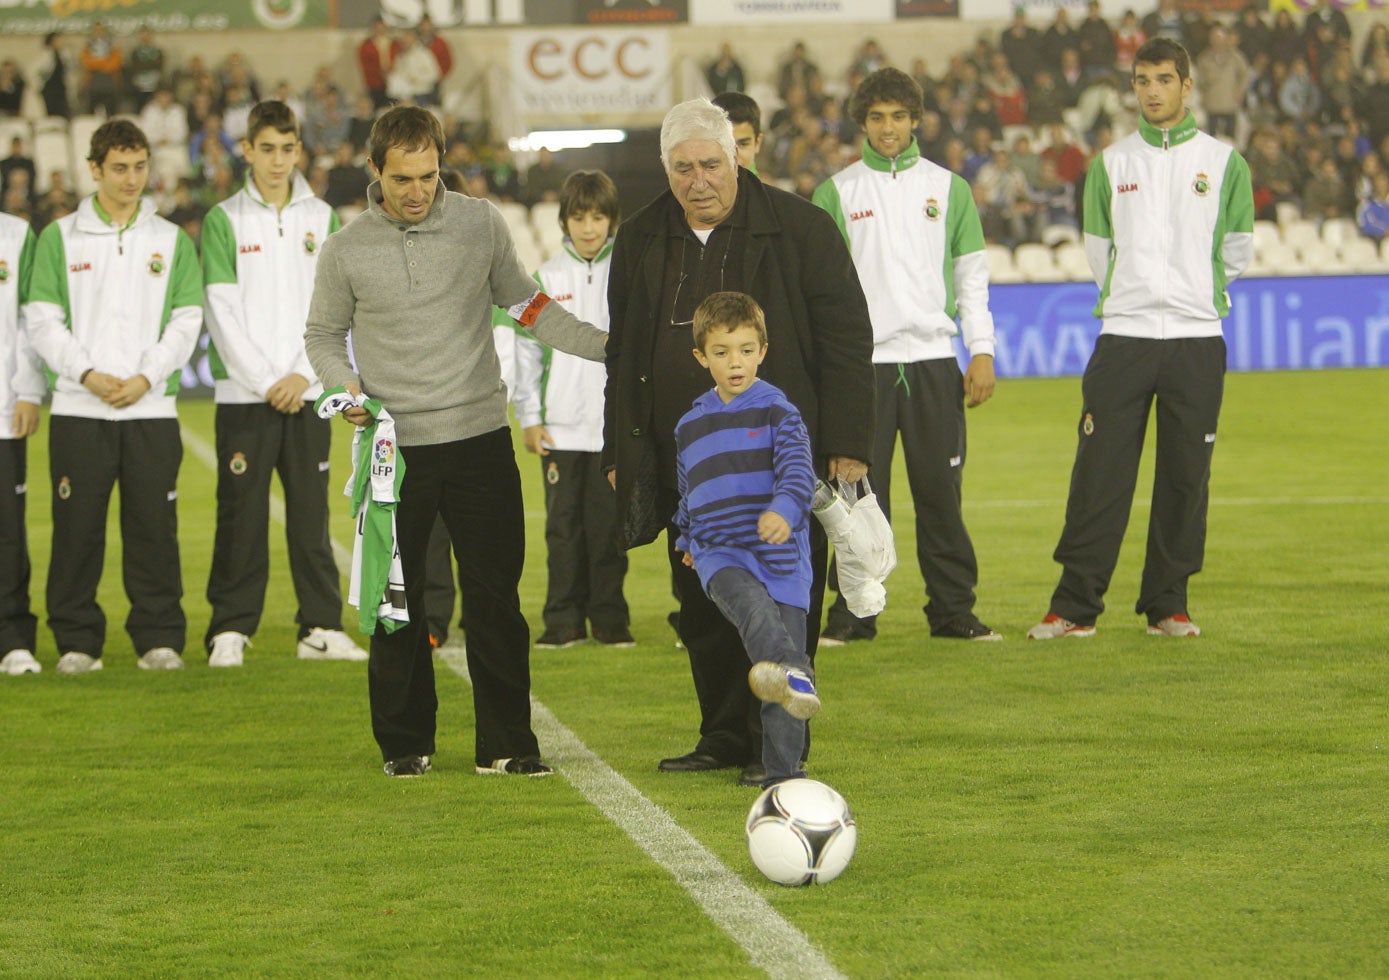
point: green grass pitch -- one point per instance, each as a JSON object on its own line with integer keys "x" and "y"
{"x": 1119, "y": 806}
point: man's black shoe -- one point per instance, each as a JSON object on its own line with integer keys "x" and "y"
{"x": 754, "y": 774}
{"x": 965, "y": 628}
{"x": 561, "y": 639}
{"x": 838, "y": 634}
{"x": 693, "y": 762}
{"x": 614, "y": 636}
{"x": 410, "y": 765}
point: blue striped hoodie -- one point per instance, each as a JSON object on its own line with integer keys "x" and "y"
{"x": 733, "y": 462}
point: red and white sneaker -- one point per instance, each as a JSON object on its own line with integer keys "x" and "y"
{"x": 1178, "y": 625}
{"x": 1053, "y": 627}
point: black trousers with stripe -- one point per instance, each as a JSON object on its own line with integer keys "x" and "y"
{"x": 475, "y": 486}
{"x": 18, "y": 624}
{"x": 254, "y": 442}
{"x": 87, "y": 458}
{"x": 924, "y": 402}
{"x": 1124, "y": 378}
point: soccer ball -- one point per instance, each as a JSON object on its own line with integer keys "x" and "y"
{"x": 801, "y": 832}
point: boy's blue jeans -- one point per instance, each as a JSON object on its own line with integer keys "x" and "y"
{"x": 775, "y": 632}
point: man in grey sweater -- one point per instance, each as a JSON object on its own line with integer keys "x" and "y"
{"x": 414, "y": 279}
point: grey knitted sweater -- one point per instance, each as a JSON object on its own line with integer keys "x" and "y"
{"x": 418, "y": 300}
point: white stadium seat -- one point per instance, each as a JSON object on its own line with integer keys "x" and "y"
{"x": 1360, "y": 254}
{"x": 1278, "y": 259}
{"x": 51, "y": 152}
{"x": 515, "y": 214}
{"x": 1001, "y": 268}
{"x": 544, "y": 214}
{"x": 1301, "y": 233}
{"x": 1036, "y": 263}
{"x": 1338, "y": 231}
{"x": 1071, "y": 260}
{"x": 1319, "y": 257}
{"x": 1266, "y": 233}
{"x": 12, "y": 126}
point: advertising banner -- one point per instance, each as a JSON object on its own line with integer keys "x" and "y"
{"x": 127, "y": 16}
{"x": 790, "y": 12}
{"x": 928, "y": 8}
{"x": 1047, "y": 329}
{"x": 578, "y": 73}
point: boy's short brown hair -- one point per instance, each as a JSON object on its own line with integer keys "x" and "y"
{"x": 272, "y": 114}
{"x": 728, "y": 311}
{"x": 117, "y": 134}
{"x": 588, "y": 190}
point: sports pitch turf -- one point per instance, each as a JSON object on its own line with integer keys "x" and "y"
{"x": 1119, "y": 806}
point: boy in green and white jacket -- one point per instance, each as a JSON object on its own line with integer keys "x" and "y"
{"x": 260, "y": 254}
{"x": 21, "y": 392}
{"x": 918, "y": 246}
{"x": 114, "y": 311}
{"x": 559, "y": 403}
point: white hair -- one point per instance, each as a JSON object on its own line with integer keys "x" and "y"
{"x": 697, "y": 119}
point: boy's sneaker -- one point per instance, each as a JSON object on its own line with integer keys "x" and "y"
{"x": 410, "y": 765}
{"x": 1053, "y": 627}
{"x": 77, "y": 663}
{"x": 561, "y": 639}
{"x": 161, "y": 658}
{"x": 325, "y": 644}
{"x": 965, "y": 628}
{"x": 1178, "y": 625}
{"x": 789, "y": 687}
{"x": 228, "y": 649}
{"x": 18, "y": 662}
{"x": 614, "y": 636}
{"x": 526, "y": 765}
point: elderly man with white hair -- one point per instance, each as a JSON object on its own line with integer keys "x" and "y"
{"x": 720, "y": 228}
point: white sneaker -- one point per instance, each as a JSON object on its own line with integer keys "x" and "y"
{"x": 77, "y": 663}
{"x": 1053, "y": 627}
{"x": 228, "y": 649}
{"x": 161, "y": 658}
{"x": 18, "y": 662}
{"x": 322, "y": 644}
{"x": 1178, "y": 625}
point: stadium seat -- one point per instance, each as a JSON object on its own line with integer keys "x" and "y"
{"x": 1071, "y": 260}
{"x": 1278, "y": 259}
{"x": 516, "y": 215}
{"x": 1336, "y": 232}
{"x": 10, "y": 127}
{"x": 1286, "y": 211}
{"x": 51, "y": 152}
{"x": 1359, "y": 254}
{"x": 1266, "y": 233}
{"x": 544, "y": 214}
{"x": 550, "y": 237}
{"x": 1384, "y": 249}
{"x": 1301, "y": 233}
{"x": 527, "y": 250}
{"x": 1321, "y": 259}
{"x": 1036, "y": 263}
{"x": 1001, "y": 268}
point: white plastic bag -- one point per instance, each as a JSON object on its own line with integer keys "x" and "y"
{"x": 862, "y": 540}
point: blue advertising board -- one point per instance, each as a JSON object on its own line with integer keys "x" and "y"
{"x": 1048, "y": 329}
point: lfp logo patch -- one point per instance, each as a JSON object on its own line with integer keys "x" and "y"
{"x": 385, "y": 451}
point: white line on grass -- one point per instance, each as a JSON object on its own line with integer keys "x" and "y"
{"x": 772, "y": 943}
{"x": 1215, "y": 501}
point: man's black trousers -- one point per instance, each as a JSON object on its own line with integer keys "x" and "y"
{"x": 1124, "y": 377}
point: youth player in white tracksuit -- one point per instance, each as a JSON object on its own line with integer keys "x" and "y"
{"x": 1169, "y": 219}
{"x": 260, "y": 251}
{"x": 558, "y": 400}
{"x": 21, "y": 392}
{"x": 115, "y": 308}
{"x": 918, "y": 246}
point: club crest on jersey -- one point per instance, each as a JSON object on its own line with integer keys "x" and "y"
{"x": 552, "y": 473}
{"x": 4, "y": 272}
{"x": 1201, "y": 185}
{"x": 64, "y": 488}
{"x": 310, "y": 243}
{"x": 931, "y": 209}
{"x": 237, "y": 464}
{"x": 156, "y": 265}
{"x": 1088, "y": 426}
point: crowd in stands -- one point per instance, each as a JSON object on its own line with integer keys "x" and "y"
{"x": 1020, "y": 115}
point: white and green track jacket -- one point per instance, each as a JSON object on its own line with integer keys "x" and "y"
{"x": 120, "y": 300}
{"x": 1169, "y": 222}
{"x": 918, "y": 246}
{"x": 560, "y": 391}
{"x": 259, "y": 263}
{"x": 21, "y": 378}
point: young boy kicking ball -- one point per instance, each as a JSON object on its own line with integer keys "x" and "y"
{"x": 746, "y": 484}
